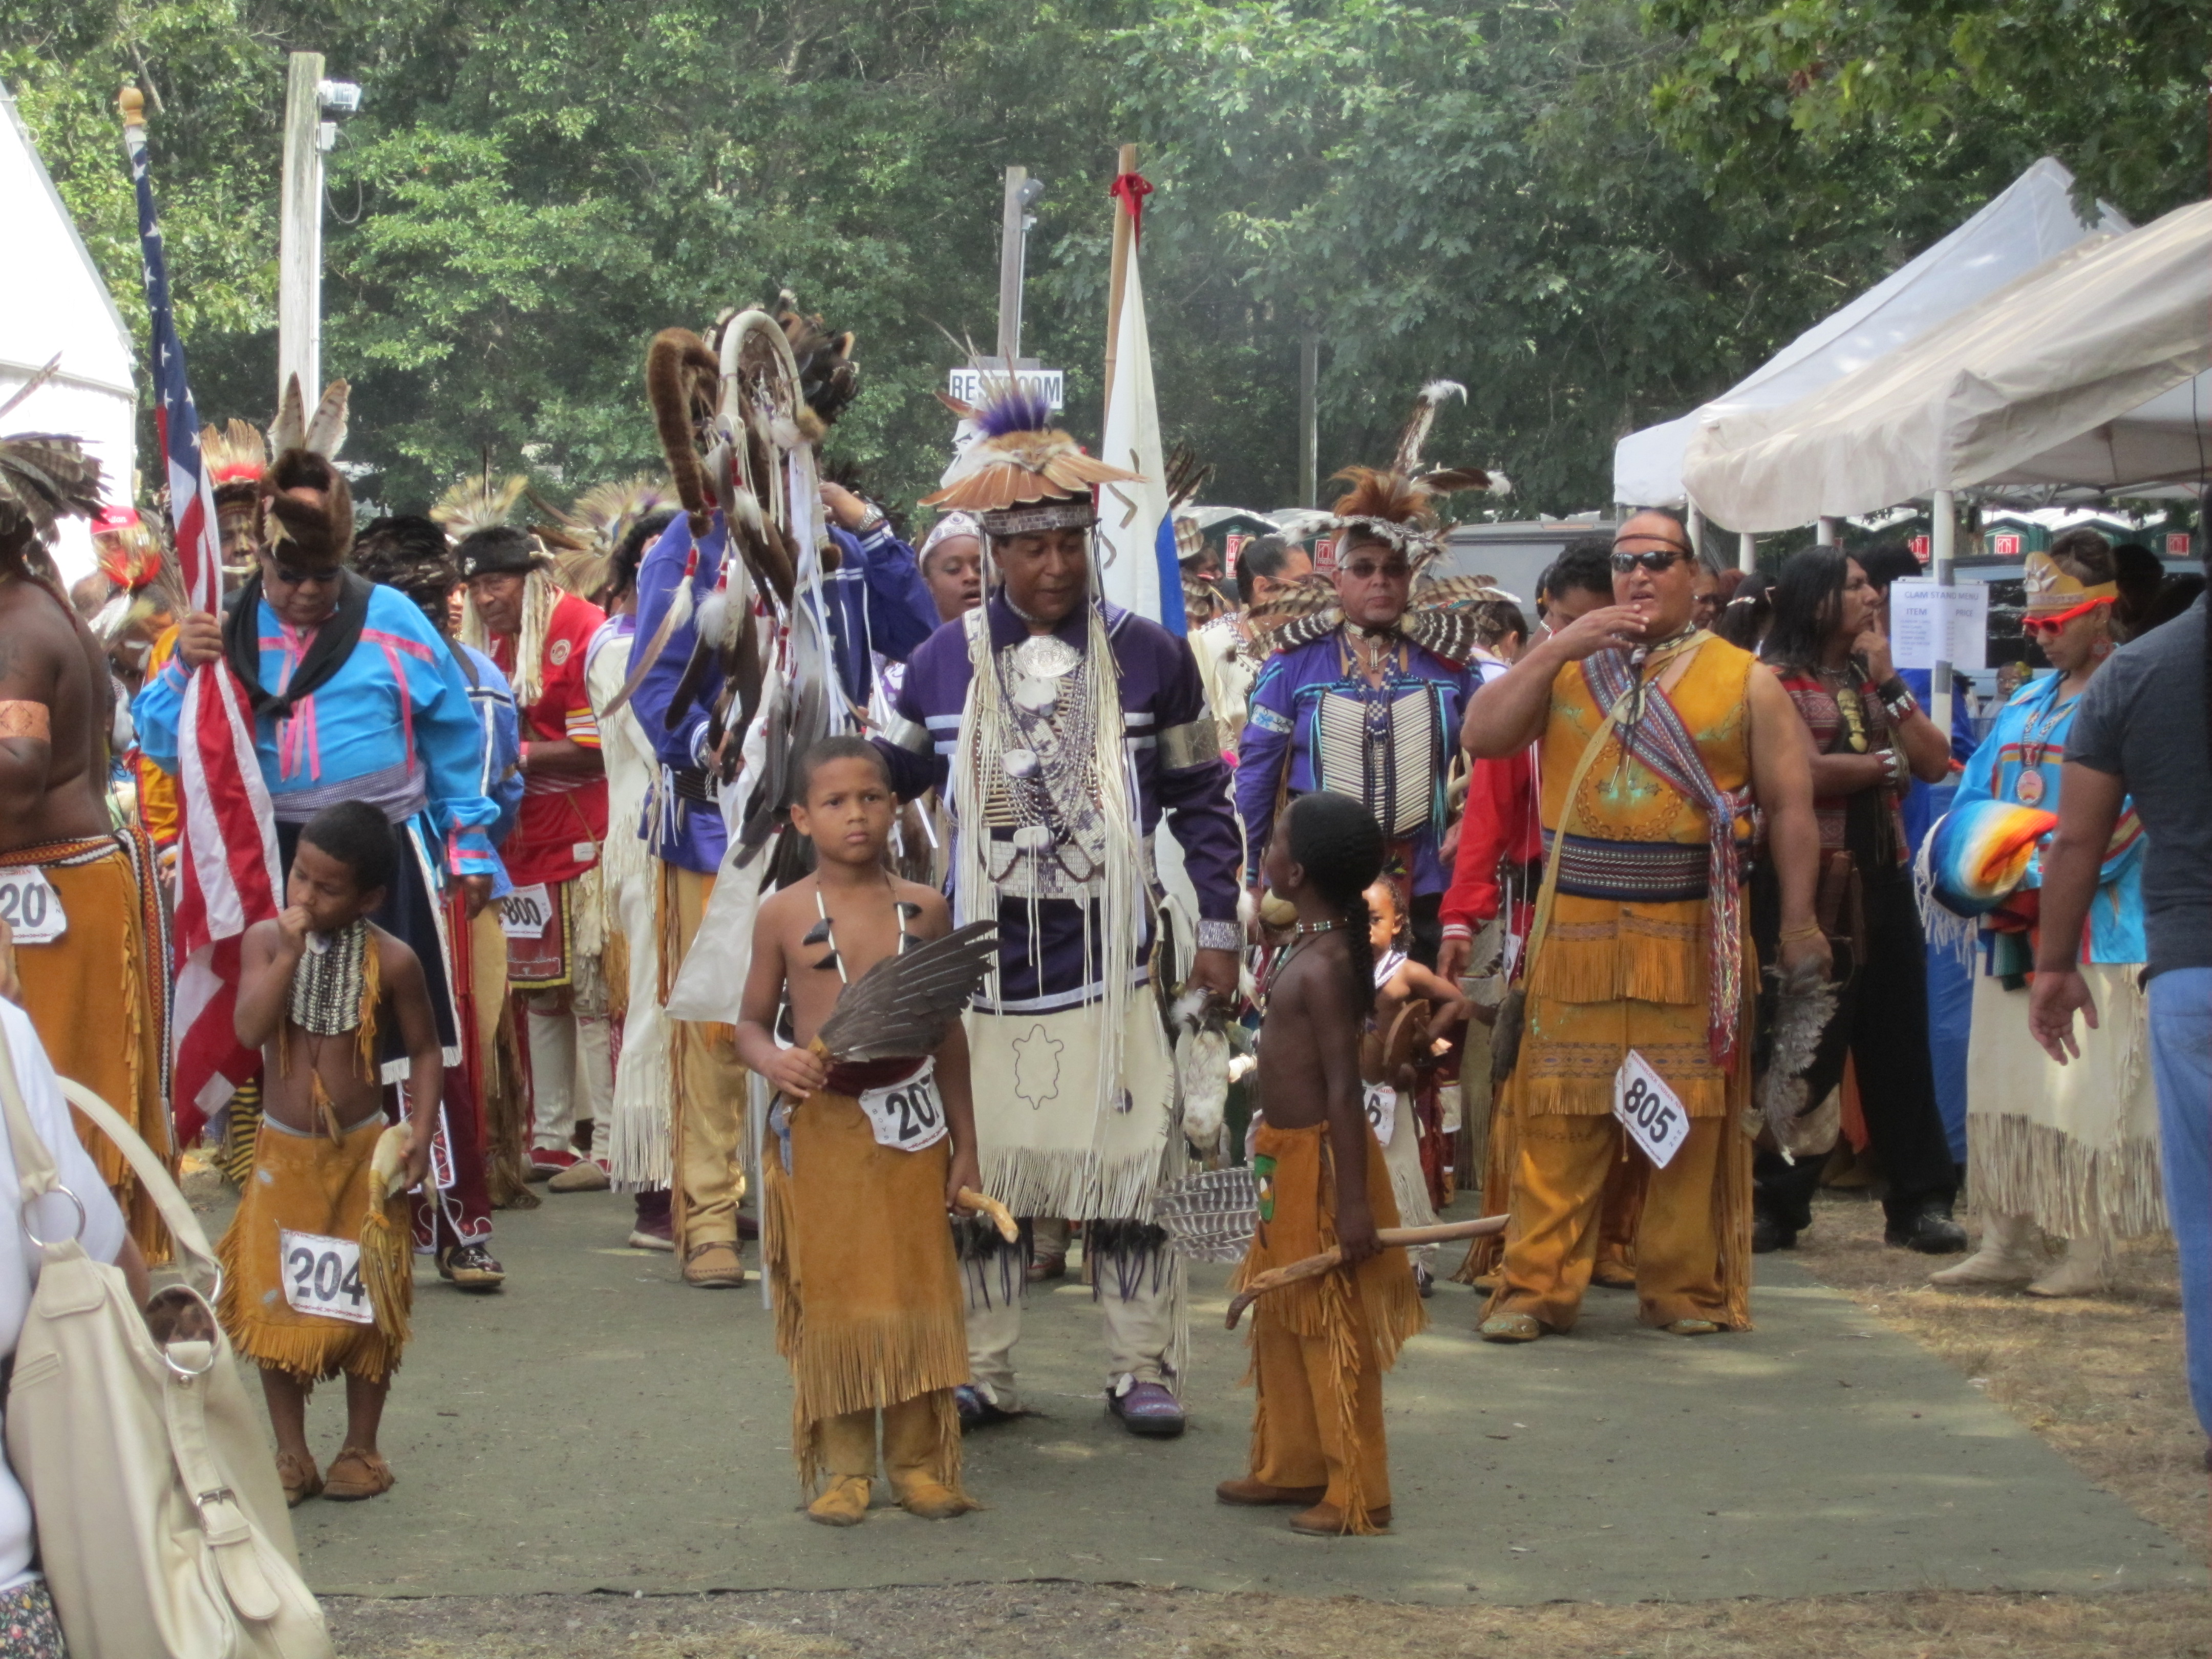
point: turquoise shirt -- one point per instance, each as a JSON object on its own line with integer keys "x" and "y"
{"x": 2030, "y": 736}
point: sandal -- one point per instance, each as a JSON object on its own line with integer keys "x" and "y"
{"x": 357, "y": 1474}
{"x": 298, "y": 1476}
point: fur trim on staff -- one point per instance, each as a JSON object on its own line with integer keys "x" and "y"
{"x": 829, "y": 378}
{"x": 683, "y": 380}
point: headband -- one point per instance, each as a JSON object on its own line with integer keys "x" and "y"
{"x": 1076, "y": 513}
{"x": 951, "y": 527}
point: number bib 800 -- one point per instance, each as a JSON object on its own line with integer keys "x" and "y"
{"x": 322, "y": 1276}
{"x": 907, "y": 1115}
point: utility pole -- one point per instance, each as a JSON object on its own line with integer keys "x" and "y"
{"x": 1309, "y": 419}
{"x": 300, "y": 256}
{"x": 1012, "y": 240}
{"x": 300, "y": 268}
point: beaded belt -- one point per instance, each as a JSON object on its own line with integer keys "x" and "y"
{"x": 1639, "y": 871}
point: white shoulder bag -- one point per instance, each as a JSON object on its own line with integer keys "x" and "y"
{"x": 163, "y": 1529}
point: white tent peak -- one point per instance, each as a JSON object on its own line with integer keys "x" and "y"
{"x": 2029, "y": 221}
{"x": 52, "y": 299}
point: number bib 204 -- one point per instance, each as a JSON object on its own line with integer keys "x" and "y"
{"x": 322, "y": 1276}
{"x": 1381, "y": 1100}
{"x": 29, "y": 905}
{"x": 1652, "y": 1112}
{"x": 907, "y": 1115}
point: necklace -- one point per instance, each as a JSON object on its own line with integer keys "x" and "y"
{"x": 2029, "y": 787}
{"x": 1305, "y": 927}
{"x": 825, "y": 932}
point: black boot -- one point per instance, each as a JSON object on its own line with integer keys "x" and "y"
{"x": 1926, "y": 1227}
{"x": 1768, "y": 1234}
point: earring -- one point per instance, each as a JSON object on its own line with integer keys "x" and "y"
{"x": 2102, "y": 649}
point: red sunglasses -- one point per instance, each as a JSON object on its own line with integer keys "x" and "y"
{"x": 2057, "y": 620}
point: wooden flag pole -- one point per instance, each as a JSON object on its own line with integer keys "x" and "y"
{"x": 1124, "y": 238}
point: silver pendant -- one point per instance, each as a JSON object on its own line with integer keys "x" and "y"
{"x": 1046, "y": 656}
{"x": 1038, "y": 697}
{"x": 1020, "y": 763}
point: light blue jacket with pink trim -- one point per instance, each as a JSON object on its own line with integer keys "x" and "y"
{"x": 393, "y": 728}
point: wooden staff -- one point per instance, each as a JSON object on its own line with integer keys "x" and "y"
{"x": 1124, "y": 235}
{"x": 1275, "y": 1278}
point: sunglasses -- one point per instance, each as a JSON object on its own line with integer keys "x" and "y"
{"x": 2057, "y": 621}
{"x": 323, "y": 576}
{"x": 1656, "y": 562}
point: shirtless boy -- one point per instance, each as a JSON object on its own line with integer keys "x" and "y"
{"x": 1319, "y": 1346}
{"x": 866, "y": 1161}
{"x": 315, "y": 984}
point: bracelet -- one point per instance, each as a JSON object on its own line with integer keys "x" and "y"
{"x": 1810, "y": 930}
{"x": 1893, "y": 689}
{"x": 870, "y": 520}
{"x": 1893, "y": 768}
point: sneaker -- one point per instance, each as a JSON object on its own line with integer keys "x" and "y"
{"x": 1045, "y": 1268}
{"x": 1930, "y": 1230}
{"x": 469, "y": 1267}
{"x": 1146, "y": 1409}
{"x": 977, "y": 1409}
{"x": 653, "y": 1233}
{"x": 546, "y": 1162}
{"x": 586, "y": 1175}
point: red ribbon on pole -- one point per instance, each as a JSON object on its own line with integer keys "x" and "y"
{"x": 1130, "y": 189}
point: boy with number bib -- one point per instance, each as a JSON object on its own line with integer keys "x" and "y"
{"x": 865, "y": 1161}
{"x": 1319, "y": 1346}
{"x": 316, "y": 1268}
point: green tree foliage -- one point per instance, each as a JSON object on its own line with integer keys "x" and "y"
{"x": 1592, "y": 212}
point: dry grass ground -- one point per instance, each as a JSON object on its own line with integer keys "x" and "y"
{"x": 1075, "y": 1621}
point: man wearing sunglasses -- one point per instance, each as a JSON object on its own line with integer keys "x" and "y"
{"x": 355, "y": 697}
{"x": 1656, "y": 743}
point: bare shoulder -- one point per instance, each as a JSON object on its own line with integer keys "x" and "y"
{"x": 779, "y": 909}
{"x": 35, "y": 638}
{"x": 933, "y": 916}
{"x": 396, "y": 957}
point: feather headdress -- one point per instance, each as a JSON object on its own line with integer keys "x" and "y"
{"x": 1396, "y": 505}
{"x": 477, "y": 503}
{"x": 584, "y": 538}
{"x": 1023, "y": 474}
{"x": 45, "y": 476}
{"x": 1449, "y": 615}
{"x": 235, "y": 455}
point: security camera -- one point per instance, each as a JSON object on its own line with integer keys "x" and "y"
{"x": 1031, "y": 188}
{"x": 342, "y": 96}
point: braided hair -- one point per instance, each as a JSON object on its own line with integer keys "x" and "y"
{"x": 1337, "y": 842}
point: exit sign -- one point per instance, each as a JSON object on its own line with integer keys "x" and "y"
{"x": 1920, "y": 547}
{"x": 2177, "y": 544}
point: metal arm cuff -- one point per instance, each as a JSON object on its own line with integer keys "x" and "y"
{"x": 1220, "y": 935}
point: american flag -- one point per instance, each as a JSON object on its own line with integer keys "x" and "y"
{"x": 227, "y": 871}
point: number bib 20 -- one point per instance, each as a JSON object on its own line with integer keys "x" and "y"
{"x": 322, "y": 1276}
{"x": 30, "y": 904}
{"x": 907, "y": 1115}
{"x": 1381, "y": 1104}
{"x": 1652, "y": 1112}
{"x": 524, "y": 913}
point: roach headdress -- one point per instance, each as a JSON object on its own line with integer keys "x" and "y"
{"x": 1023, "y": 475}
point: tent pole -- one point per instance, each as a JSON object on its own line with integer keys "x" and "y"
{"x": 1747, "y": 552}
{"x": 1824, "y": 534}
{"x": 1942, "y": 545}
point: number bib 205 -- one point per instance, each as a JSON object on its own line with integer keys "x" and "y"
{"x": 322, "y": 1276}
{"x": 1652, "y": 1112}
{"x": 1381, "y": 1104}
{"x": 524, "y": 913}
{"x": 30, "y": 904}
{"x": 907, "y": 1115}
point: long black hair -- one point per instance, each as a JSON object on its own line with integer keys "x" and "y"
{"x": 1337, "y": 842}
{"x": 1808, "y": 596}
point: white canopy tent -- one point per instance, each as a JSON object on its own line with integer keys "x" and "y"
{"x": 2092, "y": 370}
{"x": 52, "y": 301}
{"x": 2032, "y": 221}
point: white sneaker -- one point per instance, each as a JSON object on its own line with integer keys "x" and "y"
{"x": 2086, "y": 1269}
{"x": 2008, "y": 1259}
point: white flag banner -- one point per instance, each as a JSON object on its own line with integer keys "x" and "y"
{"x": 1130, "y": 515}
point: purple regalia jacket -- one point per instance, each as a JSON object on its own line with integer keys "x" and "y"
{"x": 1172, "y": 751}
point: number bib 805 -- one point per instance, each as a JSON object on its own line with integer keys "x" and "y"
{"x": 1652, "y": 1112}
{"x": 908, "y": 1115}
